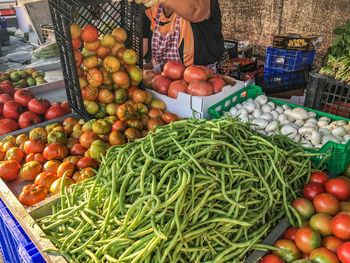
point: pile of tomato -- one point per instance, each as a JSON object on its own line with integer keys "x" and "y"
{"x": 76, "y": 146}
{"x": 175, "y": 78}
{"x": 324, "y": 236}
{"x": 47, "y": 153}
{"x": 106, "y": 69}
{"x": 108, "y": 77}
{"x": 20, "y": 109}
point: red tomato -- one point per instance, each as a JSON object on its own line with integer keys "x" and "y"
{"x": 169, "y": 117}
{"x": 23, "y": 96}
{"x": 174, "y": 70}
{"x": 12, "y": 110}
{"x": 28, "y": 119}
{"x": 293, "y": 254}
{"x": 200, "y": 88}
{"x": 8, "y": 89}
{"x": 51, "y": 166}
{"x": 7, "y": 126}
{"x": 55, "y": 151}
{"x": 176, "y": 87}
{"x": 67, "y": 168}
{"x": 32, "y": 194}
{"x": 208, "y": 72}
{"x": 321, "y": 223}
{"x": 323, "y": 255}
{"x": 120, "y": 126}
{"x": 89, "y": 34}
{"x": 341, "y": 225}
{"x": 38, "y": 106}
{"x": 66, "y": 107}
{"x": 307, "y": 240}
{"x": 193, "y": 72}
{"x": 77, "y": 149}
{"x": 271, "y": 259}
{"x": 161, "y": 84}
{"x": 45, "y": 179}
{"x": 217, "y": 84}
{"x": 326, "y": 203}
{"x": 33, "y": 146}
{"x": 9, "y": 170}
{"x": 332, "y": 243}
{"x": 86, "y": 162}
{"x": 87, "y": 138}
{"x": 5, "y": 98}
{"x": 54, "y": 111}
{"x": 343, "y": 252}
{"x": 290, "y": 233}
{"x": 339, "y": 188}
{"x": 304, "y": 207}
{"x": 312, "y": 189}
{"x": 36, "y": 157}
{"x": 318, "y": 177}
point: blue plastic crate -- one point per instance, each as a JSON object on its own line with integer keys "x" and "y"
{"x": 274, "y": 81}
{"x": 288, "y": 60}
{"x": 15, "y": 245}
{"x": 3, "y": 23}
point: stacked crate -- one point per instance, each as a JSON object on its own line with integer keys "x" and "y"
{"x": 285, "y": 70}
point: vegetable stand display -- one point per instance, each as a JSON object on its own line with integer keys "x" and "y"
{"x": 333, "y": 156}
{"x": 200, "y": 194}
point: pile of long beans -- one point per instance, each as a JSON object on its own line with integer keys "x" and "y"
{"x": 193, "y": 191}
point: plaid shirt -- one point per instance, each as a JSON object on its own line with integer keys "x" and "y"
{"x": 165, "y": 47}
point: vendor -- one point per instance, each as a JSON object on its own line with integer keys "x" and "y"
{"x": 184, "y": 30}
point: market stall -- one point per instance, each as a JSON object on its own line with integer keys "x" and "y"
{"x": 173, "y": 163}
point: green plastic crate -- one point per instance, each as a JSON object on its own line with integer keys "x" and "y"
{"x": 338, "y": 155}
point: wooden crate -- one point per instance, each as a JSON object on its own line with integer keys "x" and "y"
{"x": 27, "y": 216}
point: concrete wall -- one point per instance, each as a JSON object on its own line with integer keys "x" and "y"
{"x": 257, "y": 20}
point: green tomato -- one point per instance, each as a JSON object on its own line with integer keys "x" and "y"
{"x": 56, "y": 136}
{"x": 91, "y": 107}
{"x": 102, "y": 111}
{"x": 97, "y": 149}
{"x": 120, "y": 96}
{"x": 88, "y": 126}
{"x": 51, "y": 126}
{"x": 111, "y": 119}
{"x": 101, "y": 127}
{"x": 112, "y": 109}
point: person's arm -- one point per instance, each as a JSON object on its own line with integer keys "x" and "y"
{"x": 146, "y": 33}
{"x": 145, "y": 46}
{"x": 194, "y": 11}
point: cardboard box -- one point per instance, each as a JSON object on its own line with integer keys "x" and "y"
{"x": 187, "y": 106}
{"x": 297, "y": 42}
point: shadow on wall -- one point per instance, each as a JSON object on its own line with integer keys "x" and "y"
{"x": 257, "y": 20}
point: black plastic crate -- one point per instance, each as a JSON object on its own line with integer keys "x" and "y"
{"x": 105, "y": 16}
{"x": 235, "y": 67}
{"x": 274, "y": 81}
{"x": 327, "y": 94}
{"x": 232, "y": 48}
